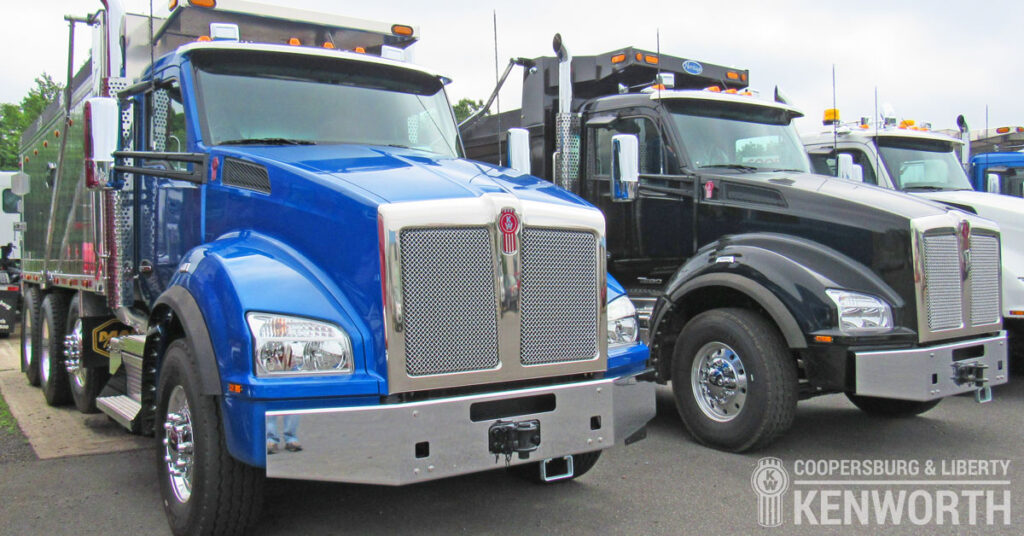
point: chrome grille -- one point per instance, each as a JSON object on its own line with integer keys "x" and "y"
{"x": 942, "y": 281}
{"x": 985, "y": 307}
{"x": 559, "y": 296}
{"x": 449, "y": 300}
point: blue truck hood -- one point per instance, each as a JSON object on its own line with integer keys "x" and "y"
{"x": 394, "y": 175}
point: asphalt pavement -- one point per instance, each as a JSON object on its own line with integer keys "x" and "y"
{"x": 665, "y": 484}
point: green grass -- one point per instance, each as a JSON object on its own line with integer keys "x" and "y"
{"x": 7, "y": 422}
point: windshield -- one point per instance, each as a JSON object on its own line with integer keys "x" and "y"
{"x": 738, "y": 136}
{"x": 290, "y": 99}
{"x": 916, "y": 164}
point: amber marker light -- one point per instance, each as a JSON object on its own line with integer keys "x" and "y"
{"x": 204, "y": 3}
{"x": 328, "y": 45}
{"x": 234, "y": 388}
{"x": 294, "y": 41}
{"x": 1002, "y": 130}
{"x": 713, "y": 89}
{"x": 823, "y": 338}
{"x": 360, "y": 50}
{"x": 172, "y": 4}
{"x": 653, "y": 60}
{"x": 732, "y": 75}
{"x": 618, "y": 58}
{"x": 401, "y": 29}
{"x": 204, "y": 38}
{"x": 1012, "y": 313}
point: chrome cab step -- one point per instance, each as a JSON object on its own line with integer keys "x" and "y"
{"x": 121, "y": 408}
{"x": 121, "y": 399}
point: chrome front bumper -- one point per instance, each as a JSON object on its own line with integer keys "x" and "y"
{"x": 928, "y": 373}
{"x": 385, "y": 444}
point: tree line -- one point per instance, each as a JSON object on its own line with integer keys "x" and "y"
{"x": 15, "y": 118}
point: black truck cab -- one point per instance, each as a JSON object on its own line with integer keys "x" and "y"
{"x": 764, "y": 284}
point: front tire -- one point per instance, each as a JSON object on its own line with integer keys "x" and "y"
{"x": 53, "y": 375}
{"x": 204, "y": 489}
{"x": 30, "y": 335}
{"x": 85, "y": 383}
{"x": 734, "y": 380}
{"x": 891, "y": 407}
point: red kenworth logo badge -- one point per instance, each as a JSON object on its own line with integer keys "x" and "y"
{"x": 508, "y": 224}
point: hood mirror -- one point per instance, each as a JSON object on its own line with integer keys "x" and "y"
{"x": 519, "y": 149}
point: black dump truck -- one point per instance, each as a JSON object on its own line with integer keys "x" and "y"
{"x": 764, "y": 284}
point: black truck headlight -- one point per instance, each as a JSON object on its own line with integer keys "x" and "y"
{"x": 622, "y": 323}
{"x": 289, "y": 346}
{"x": 861, "y": 314}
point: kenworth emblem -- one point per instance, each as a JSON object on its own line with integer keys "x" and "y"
{"x": 508, "y": 224}
{"x": 965, "y": 248}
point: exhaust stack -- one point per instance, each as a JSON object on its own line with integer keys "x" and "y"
{"x": 567, "y": 124}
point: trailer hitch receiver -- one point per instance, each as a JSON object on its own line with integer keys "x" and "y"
{"x": 973, "y": 373}
{"x": 508, "y": 437}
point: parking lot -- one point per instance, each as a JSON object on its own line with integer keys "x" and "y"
{"x": 665, "y": 484}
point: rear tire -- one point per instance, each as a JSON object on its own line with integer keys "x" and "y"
{"x": 734, "y": 380}
{"x": 581, "y": 463}
{"x": 85, "y": 383}
{"x": 30, "y": 335}
{"x": 214, "y": 493}
{"x": 53, "y": 374}
{"x": 891, "y": 407}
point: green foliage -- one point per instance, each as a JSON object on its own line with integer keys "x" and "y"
{"x": 15, "y": 118}
{"x": 7, "y": 421}
{"x": 465, "y": 108}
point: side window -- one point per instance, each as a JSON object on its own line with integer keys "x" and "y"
{"x": 651, "y": 157}
{"x": 826, "y": 164}
{"x": 166, "y": 126}
{"x": 10, "y": 201}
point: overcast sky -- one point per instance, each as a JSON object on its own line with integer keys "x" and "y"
{"x": 930, "y": 60}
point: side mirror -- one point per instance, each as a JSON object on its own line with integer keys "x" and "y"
{"x": 994, "y": 184}
{"x": 519, "y": 149}
{"x": 848, "y": 170}
{"x": 102, "y": 124}
{"x": 625, "y": 167}
{"x": 20, "y": 184}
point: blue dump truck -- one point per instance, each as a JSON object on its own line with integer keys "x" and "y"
{"x": 264, "y": 247}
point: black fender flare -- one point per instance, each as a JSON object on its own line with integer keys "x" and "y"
{"x": 769, "y": 302}
{"x": 193, "y": 324}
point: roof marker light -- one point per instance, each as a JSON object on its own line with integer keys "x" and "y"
{"x": 1020, "y": 129}
{"x": 618, "y": 58}
{"x": 1002, "y": 130}
{"x": 360, "y": 50}
{"x": 171, "y": 5}
{"x": 732, "y": 91}
{"x": 652, "y": 59}
{"x": 328, "y": 44}
{"x": 204, "y": 38}
{"x": 203, "y": 3}
{"x": 401, "y": 29}
{"x": 732, "y": 75}
{"x": 294, "y": 41}
{"x": 639, "y": 57}
{"x": 714, "y": 89}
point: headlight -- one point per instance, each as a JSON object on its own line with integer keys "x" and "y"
{"x": 288, "y": 345}
{"x": 860, "y": 314}
{"x": 622, "y": 325}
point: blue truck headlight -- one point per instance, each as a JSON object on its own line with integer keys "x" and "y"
{"x": 290, "y": 345}
{"x": 622, "y": 323}
{"x": 861, "y": 314}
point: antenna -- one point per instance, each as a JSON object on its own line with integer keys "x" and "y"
{"x": 657, "y": 44}
{"x": 497, "y": 106}
{"x": 152, "y": 77}
{"x": 877, "y": 170}
{"x": 835, "y": 134}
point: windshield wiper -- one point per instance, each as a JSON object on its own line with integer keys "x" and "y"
{"x": 267, "y": 141}
{"x": 786, "y": 170}
{"x": 924, "y": 188}
{"x": 738, "y": 167}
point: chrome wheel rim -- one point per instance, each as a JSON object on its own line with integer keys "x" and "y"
{"x": 44, "y": 354}
{"x": 26, "y": 338}
{"x": 719, "y": 382}
{"x": 178, "y": 444}
{"x": 73, "y": 356}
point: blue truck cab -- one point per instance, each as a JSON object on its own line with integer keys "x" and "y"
{"x": 286, "y": 268}
{"x": 999, "y": 173}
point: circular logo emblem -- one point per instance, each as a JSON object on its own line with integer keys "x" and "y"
{"x": 509, "y": 222}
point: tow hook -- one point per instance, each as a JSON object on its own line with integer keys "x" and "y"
{"x": 973, "y": 373}
{"x": 507, "y": 437}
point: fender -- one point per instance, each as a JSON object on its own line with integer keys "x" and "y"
{"x": 243, "y": 272}
{"x": 193, "y": 324}
{"x": 787, "y": 276}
